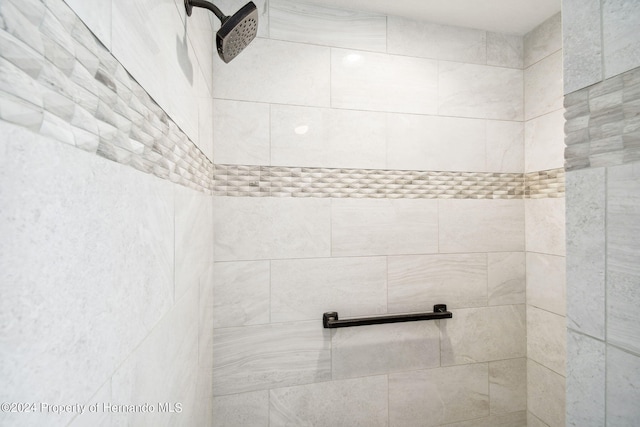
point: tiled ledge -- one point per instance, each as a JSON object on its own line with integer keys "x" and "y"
{"x": 603, "y": 123}
{"x": 276, "y": 181}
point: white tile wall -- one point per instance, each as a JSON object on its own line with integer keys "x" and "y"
{"x": 506, "y": 278}
{"x": 241, "y": 132}
{"x": 508, "y": 385}
{"x": 546, "y": 339}
{"x": 96, "y": 15}
{"x": 381, "y": 82}
{"x": 546, "y": 282}
{"x": 545, "y": 226}
{"x": 543, "y": 86}
{"x": 623, "y": 376}
{"x": 582, "y": 43}
{"x": 544, "y": 142}
{"x": 620, "y": 37}
{"x": 543, "y": 40}
{"x": 545, "y": 395}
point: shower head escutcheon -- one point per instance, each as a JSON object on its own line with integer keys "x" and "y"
{"x": 237, "y": 30}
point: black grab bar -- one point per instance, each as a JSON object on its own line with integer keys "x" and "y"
{"x": 330, "y": 319}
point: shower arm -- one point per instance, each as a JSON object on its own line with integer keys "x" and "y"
{"x": 190, "y": 4}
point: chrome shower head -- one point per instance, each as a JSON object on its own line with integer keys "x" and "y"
{"x": 236, "y": 32}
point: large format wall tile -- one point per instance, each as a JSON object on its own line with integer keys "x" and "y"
{"x": 86, "y": 266}
{"x": 381, "y": 349}
{"x": 586, "y": 237}
{"x": 358, "y": 402}
{"x": 380, "y": 82}
{"x": 544, "y": 142}
{"x": 620, "y": 36}
{"x": 543, "y": 87}
{"x": 277, "y": 72}
{"x": 314, "y": 24}
{"x": 581, "y": 43}
{"x": 329, "y": 138}
{"x": 505, "y": 50}
{"x": 506, "y": 278}
{"x": 241, "y": 133}
{"x": 585, "y": 381}
{"x": 546, "y": 282}
{"x": 483, "y": 334}
{"x": 435, "y": 143}
{"x": 508, "y": 386}
{"x": 544, "y": 40}
{"x": 271, "y": 228}
{"x": 481, "y": 225}
{"x": 428, "y": 40}
{"x": 545, "y": 225}
{"x": 96, "y": 15}
{"x": 417, "y": 282}
{"x": 514, "y": 419}
{"x": 437, "y": 396}
{"x": 546, "y": 339}
{"x": 268, "y": 356}
{"x": 241, "y": 293}
{"x": 304, "y": 289}
{"x": 468, "y": 90}
{"x": 505, "y": 146}
{"x": 157, "y": 372}
{"x": 623, "y": 246}
{"x": 383, "y": 227}
{"x": 623, "y": 394}
{"x": 546, "y": 394}
{"x": 244, "y": 409}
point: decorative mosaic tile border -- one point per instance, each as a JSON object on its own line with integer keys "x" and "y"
{"x": 275, "y": 181}
{"x": 603, "y": 123}
{"x": 58, "y": 80}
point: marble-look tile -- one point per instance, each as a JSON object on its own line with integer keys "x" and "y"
{"x": 152, "y": 32}
{"x": 199, "y": 32}
{"x": 296, "y": 73}
{"x": 241, "y": 133}
{"x": 481, "y": 225}
{"x": 357, "y": 402}
{"x": 544, "y": 142}
{"x": 304, "y": 289}
{"x": 241, "y": 293}
{"x": 546, "y": 282}
{"x": 543, "y": 91}
{"x": 96, "y": 15}
{"x": 244, "y": 409}
{"x": 620, "y": 38}
{"x": 383, "y": 227}
{"x": 533, "y": 421}
{"x": 508, "y": 386}
{"x": 483, "y": 334}
{"x": 381, "y": 82}
{"x": 586, "y": 246}
{"x": 514, "y": 419}
{"x": 623, "y": 394}
{"x": 193, "y": 238}
{"x": 271, "y": 228}
{"x": 623, "y": 246}
{"x": 505, "y": 146}
{"x": 428, "y": 40}
{"x": 581, "y": 43}
{"x": 262, "y": 357}
{"x": 381, "y": 349}
{"x": 585, "y": 381}
{"x": 416, "y": 142}
{"x": 506, "y": 274}
{"x": 98, "y": 418}
{"x": 157, "y": 372}
{"x": 505, "y": 50}
{"x": 543, "y": 40}
{"x": 206, "y": 137}
{"x": 546, "y": 339}
{"x": 330, "y": 138}
{"x": 206, "y": 325}
{"x": 86, "y": 269}
{"x": 315, "y": 24}
{"x": 417, "y": 282}
{"x": 545, "y": 226}
{"x": 438, "y": 396}
{"x": 545, "y": 394}
{"x": 479, "y": 91}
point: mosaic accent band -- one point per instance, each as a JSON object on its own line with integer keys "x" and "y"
{"x": 275, "y": 181}
{"x": 603, "y": 123}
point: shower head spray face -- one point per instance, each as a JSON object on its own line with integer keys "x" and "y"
{"x": 237, "y": 32}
